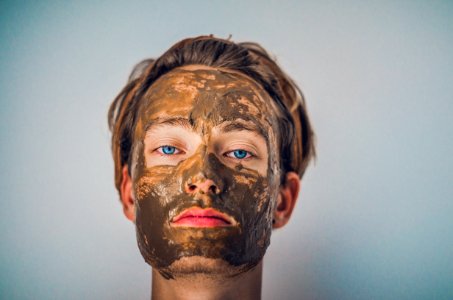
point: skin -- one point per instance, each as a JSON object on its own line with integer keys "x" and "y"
{"x": 245, "y": 286}
{"x": 206, "y": 114}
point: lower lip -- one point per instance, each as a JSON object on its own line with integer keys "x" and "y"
{"x": 200, "y": 222}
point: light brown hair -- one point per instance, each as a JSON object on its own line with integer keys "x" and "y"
{"x": 296, "y": 134}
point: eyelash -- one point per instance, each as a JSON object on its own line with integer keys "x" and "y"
{"x": 231, "y": 154}
{"x": 165, "y": 149}
{"x": 161, "y": 150}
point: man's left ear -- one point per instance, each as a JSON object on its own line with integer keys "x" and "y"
{"x": 286, "y": 200}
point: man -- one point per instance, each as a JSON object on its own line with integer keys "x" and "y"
{"x": 210, "y": 141}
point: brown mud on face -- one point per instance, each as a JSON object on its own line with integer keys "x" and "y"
{"x": 208, "y": 98}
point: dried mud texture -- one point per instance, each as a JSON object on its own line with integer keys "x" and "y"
{"x": 208, "y": 99}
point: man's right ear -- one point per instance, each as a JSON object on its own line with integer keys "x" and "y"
{"x": 127, "y": 197}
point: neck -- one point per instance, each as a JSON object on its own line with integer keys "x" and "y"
{"x": 245, "y": 286}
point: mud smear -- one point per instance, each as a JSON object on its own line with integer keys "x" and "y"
{"x": 208, "y": 98}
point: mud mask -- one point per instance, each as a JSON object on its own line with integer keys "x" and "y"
{"x": 205, "y": 169}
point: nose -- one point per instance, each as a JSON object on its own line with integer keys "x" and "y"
{"x": 201, "y": 185}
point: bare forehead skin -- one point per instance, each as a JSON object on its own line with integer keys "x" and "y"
{"x": 198, "y": 92}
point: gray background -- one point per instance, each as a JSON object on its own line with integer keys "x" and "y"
{"x": 374, "y": 219}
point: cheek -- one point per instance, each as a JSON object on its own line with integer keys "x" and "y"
{"x": 261, "y": 196}
{"x": 254, "y": 189}
{"x": 145, "y": 186}
{"x": 254, "y": 198}
{"x": 257, "y": 201}
{"x": 152, "y": 183}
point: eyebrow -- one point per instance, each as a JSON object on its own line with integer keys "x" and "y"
{"x": 178, "y": 121}
{"x": 243, "y": 125}
{"x": 237, "y": 126}
{"x": 187, "y": 124}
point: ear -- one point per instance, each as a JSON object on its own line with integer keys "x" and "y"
{"x": 127, "y": 197}
{"x": 286, "y": 200}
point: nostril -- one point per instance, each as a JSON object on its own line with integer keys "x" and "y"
{"x": 203, "y": 187}
{"x": 213, "y": 189}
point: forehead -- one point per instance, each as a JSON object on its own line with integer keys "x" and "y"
{"x": 201, "y": 92}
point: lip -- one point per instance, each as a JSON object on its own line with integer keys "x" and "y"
{"x": 199, "y": 217}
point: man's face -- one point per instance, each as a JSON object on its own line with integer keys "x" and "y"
{"x": 205, "y": 168}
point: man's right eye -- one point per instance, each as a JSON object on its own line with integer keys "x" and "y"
{"x": 168, "y": 150}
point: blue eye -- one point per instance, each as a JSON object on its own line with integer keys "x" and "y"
{"x": 239, "y": 154}
{"x": 168, "y": 150}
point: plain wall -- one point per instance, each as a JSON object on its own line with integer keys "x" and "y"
{"x": 374, "y": 217}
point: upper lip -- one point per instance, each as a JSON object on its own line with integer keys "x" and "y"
{"x": 204, "y": 213}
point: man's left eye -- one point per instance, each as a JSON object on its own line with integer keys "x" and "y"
{"x": 239, "y": 154}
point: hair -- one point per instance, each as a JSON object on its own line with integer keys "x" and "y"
{"x": 296, "y": 134}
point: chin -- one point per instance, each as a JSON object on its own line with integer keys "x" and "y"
{"x": 202, "y": 267}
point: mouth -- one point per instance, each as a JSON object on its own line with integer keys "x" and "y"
{"x": 199, "y": 217}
